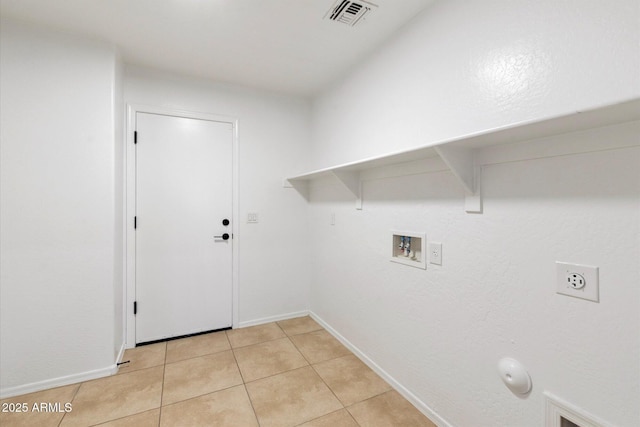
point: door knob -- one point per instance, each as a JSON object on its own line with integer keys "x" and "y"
{"x": 225, "y": 236}
{"x": 225, "y": 222}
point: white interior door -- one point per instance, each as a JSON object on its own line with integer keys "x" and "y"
{"x": 183, "y": 195}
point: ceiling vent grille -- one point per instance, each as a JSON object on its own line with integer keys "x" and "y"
{"x": 349, "y": 12}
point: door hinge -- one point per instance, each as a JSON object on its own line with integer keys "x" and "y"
{"x": 135, "y": 137}
{"x": 135, "y": 222}
{"x": 135, "y": 307}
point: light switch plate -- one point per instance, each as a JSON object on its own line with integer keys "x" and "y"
{"x": 252, "y": 217}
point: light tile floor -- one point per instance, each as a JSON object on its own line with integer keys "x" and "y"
{"x": 282, "y": 374}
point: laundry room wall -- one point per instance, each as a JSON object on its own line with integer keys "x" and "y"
{"x": 273, "y": 134}
{"x": 458, "y": 68}
{"x": 469, "y": 66}
{"x": 61, "y": 248}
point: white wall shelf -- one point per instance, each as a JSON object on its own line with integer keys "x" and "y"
{"x": 461, "y": 154}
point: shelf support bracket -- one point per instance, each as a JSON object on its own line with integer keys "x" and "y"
{"x": 461, "y": 161}
{"x": 352, "y": 182}
{"x": 302, "y": 187}
{"x": 473, "y": 202}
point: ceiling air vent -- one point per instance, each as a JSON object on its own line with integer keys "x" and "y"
{"x": 349, "y": 12}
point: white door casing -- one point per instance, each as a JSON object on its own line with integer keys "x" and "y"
{"x": 180, "y": 185}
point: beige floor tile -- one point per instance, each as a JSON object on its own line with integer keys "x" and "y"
{"x": 388, "y": 409}
{"x": 319, "y": 346}
{"x": 340, "y": 418}
{"x": 226, "y": 408}
{"x": 268, "y": 358}
{"x": 200, "y": 375}
{"x": 201, "y": 384}
{"x": 116, "y": 397}
{"x": 143, "y": 357}
{"x": 299, "y": 325}
{"x": 291, "y": 398}
{"x": 30, "y": 416}
{"x": 200, "y": 345}
{"x": 144, "y": 419}
{"x": 350, "y": 379}
{"x": 254, "y": 335}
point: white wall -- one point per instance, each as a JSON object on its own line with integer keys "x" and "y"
{"x": 62, "y": 201}
{"x": 119, "y": 241}
{"x": 463, "y": 67}
{"x": 467, "y": 66}
{"x": 273, "y": 135}
{"x": 59, "y": 197}
{"x": 441, "y": 332}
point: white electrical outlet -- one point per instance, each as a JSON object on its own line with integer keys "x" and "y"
{"x": 435, "y": 253}
{"x": 576, "y": 280}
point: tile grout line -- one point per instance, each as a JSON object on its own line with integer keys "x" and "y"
{"x": 302, "y": 367}
{"x": 367, "y": 399}
{"x": 299, "y": 352}
{"x": 278, "y": 324}
{"x": 211, "y": 392}
{"x": 279, "y": 373}
{"x": 333, "y": 412}
{"x": 200, "y": 355}
{"x": 244, "y": 384}
{"x": 235, "y": 359}
{"x": 113, "y": 376}
{"x": 196, "y": 397}
{"x": 309, "y": 364}
{"x": 327, "y": 385}
{"x": 241, "y": 376}
{"x": 352, "y": 417}
{"x": 207, "y": 392}
{"x": 320, "y": 361}
{"x": 259, "y": 342}
{"x": 316, "y": 372}
{"x": 122, "y": 418}
{"x": 72, "y": 399}
{"x": 164, "y": 370}
{"x": 346, "y": 407}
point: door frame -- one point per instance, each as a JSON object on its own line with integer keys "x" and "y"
{"x": 130, "y": 209}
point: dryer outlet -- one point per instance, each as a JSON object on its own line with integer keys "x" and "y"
{"x": 577, "y": 280}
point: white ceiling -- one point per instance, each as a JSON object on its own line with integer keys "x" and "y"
{"x": 280, "y": 45}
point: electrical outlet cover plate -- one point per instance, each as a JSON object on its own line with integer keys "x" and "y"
{"x": 435, "y": 253}
{"x": 576, "y": 280}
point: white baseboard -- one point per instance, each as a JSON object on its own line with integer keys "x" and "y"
{"x": 119, "y": 359}
{"x": 110, "y": 370}
{"x": 273, "y": 319}
{"x": 419, "y": 404}
{"x": 57, "y": 382}
{"x": 62, "y": 381}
